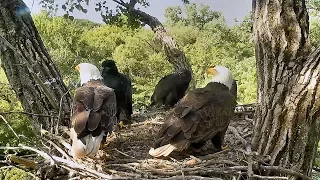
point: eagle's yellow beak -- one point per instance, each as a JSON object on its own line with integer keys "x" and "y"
{"x": 212, "y": 70}
{"x": 77, "y": 68}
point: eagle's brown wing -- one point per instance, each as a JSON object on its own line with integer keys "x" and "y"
{"x": 94, "y": 109}
{"x": 93, "y": 116}
{"x": 106, "y": 105}
{"x": 199, "y": 116}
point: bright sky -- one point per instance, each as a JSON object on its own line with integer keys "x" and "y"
{"x": 231, "y": 9}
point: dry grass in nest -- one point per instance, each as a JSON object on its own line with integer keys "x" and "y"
{"x": 125, "y": 156}
{"x": 127, "y": 150}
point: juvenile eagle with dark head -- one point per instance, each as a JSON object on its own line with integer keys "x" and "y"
{"x": 201, "y": 115}
{"x": 171, "y": 88}
{"x": 93, "y": 112}
{"x": 122, "y": 88}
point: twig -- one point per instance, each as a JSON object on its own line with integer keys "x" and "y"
{"x": 211, "y": 156}
{"x": 6, "y": 167}
{"x": 199, "y": 171}
{"x": 188, "y": 178}
{"x": 247, "y": 135}
{"x": 120, "y": 3}
{"x": 236, "y": 133}
{"x": 268, "y": 177}
{"x": 123, "y": 153}
{"x": 5, "y": 121}
{"x": 219, "y": 161}
{"x": 59, "y": 138}
{"x": 249, "y": 158}
{"x": 119, "y": 161}
{"x": 235, "y": 170}
{"x": 77, "y": 166}
{"x": 41, "y": 153}
{"x": 59, "y": 149}
{"x": 60, "y": 111}
{"x": 144, "y": 123}
{"x": 280, "y": 169}
{"x": 22, "y": 161}
{"x": 27, "y": 113}
{"x": 127, "y": 167}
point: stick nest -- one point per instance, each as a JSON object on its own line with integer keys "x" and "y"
{"x": 127, "y": 151}
{"x": 125, "y": 156}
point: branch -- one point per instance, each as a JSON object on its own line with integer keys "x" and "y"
{"x": 60, "y": 110}
{"x": 132, "y": 3}
{"x": 280, "y": 169}
{"x": 120, "y": 3}
{"x": 250, "y": 162}
{"x": 189, "y": 177}
{"x": 236, "y": 133}
{"x": 132, "y": 157}
{"x": 212, "y": 156}
{"x": 79, "y": 167}
{"x": 58, "y": 138}
{"x": 63, "y": 162}
{"x": 23, "y": 147}
{"x": 22, "y": 161}
{"x": 5, "y": 121}
{"x": 27, "y": 113}
{"x": 268, "y": 177}
{"x": 59, "y": 149}
{"x": 6, "y": 167}
{"x": 235, "y": 170}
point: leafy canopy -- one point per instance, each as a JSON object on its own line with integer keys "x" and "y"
{"x": 109, "y": 15}
{"x": 139, "y": 54}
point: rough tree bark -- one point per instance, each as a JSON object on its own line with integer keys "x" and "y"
{"x": 28, "y": 66}
{"x": 288, "y": 111}
{"x": 175, "y": 56}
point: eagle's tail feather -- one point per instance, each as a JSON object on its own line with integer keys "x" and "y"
{"x": 162, "y": 151}
{"x": 86, "y": 146}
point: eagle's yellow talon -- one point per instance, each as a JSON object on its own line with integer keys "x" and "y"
{"x": 121, "y": 124}
{"x": 224, "y": 147}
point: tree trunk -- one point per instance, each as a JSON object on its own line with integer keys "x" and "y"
{"x": 175, "y": 56}
{"x": 288, "y": 110}
{"x": 28, "y": 66}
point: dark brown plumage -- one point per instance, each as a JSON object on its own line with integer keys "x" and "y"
{"x": 93, "y": 116}
{"x": 122, "y": 88}
{"x": 171, "y": 88}
{"x": 201, "y": 115}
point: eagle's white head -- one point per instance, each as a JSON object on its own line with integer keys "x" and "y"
{"x": 88, "y": 72}
{"x": 221, "y": 75}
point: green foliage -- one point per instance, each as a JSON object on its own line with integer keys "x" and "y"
{"x": 314, "y": 12}
{"x": 313, "y": 6}
{"x": 315, "y": 31}
{"x": 139, "y": 55}
{"x": 217, "y": 44}
{"x": 14, "y": 174}
{"x": 196, "y": 17}
{"x": 20, "y": 123}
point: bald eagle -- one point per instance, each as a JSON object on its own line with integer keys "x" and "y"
{"x": 201, "y": 115}
{"x": 234, "y": 87}
{"x": 122, "y": 88}
{"x": 171, "y": 88}
{"x": 93, "y": 112}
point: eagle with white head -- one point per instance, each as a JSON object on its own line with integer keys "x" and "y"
{"x": 201, "y": 115}
{"x": 93, "y": 112}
